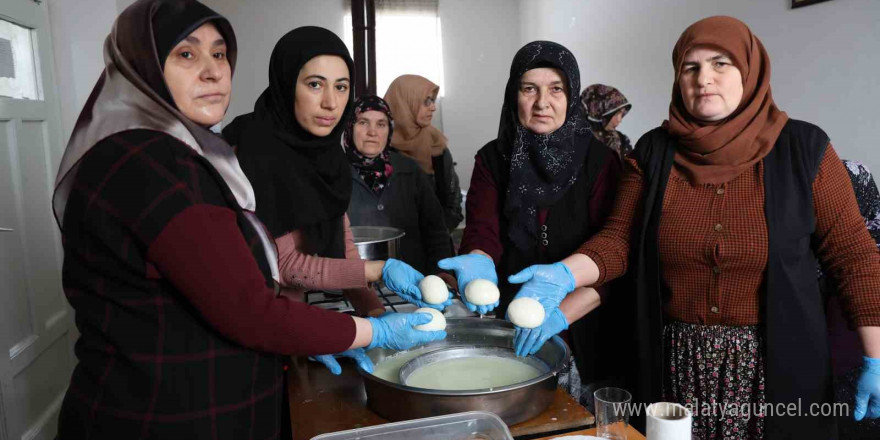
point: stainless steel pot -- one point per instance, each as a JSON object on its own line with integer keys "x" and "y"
{"x": 514, "y": 403}
{"x": 377, "y": 242}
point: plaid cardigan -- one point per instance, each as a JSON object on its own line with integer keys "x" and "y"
{"x": 181, "y": 334}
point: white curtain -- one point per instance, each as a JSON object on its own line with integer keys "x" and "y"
{"x": 408, "y": 41}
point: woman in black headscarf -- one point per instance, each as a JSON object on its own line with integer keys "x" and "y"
{"x": 169, "y": 272}
{"x": 290, "y": 148}
{"x": 539, "y": 189}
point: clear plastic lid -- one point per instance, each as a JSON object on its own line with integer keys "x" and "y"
{"x": 473, "y": 425}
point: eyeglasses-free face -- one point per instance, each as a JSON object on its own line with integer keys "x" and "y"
{"x": 321, "y": 94}
{"x": 711, "y": 85}
{"x": 371, "y": 133}
{"x": 199, "y": 76}
{"x": 541, "y": 101}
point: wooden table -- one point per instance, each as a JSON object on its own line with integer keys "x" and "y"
{"x": 321, "y": 402}
{"x": 631, "y": 434}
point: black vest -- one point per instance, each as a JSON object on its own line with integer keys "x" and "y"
{"x": 567, "y": 227}
{"x": 797, "y": 362}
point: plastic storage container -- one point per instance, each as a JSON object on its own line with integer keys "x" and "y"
{"x": 474, "y": 425}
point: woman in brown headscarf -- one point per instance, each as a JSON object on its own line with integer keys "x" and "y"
{"x": 413, "y": 101}
{"x": 727, "y": 206}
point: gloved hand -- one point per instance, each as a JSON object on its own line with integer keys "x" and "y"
{"x": 357, "y": 354}
{"x": 403, "y": 280}
{"x": 467, "y": 268}
{"x": 527, "y": 341}
{"x": 547, "y": 283}
{"x": 395, "y": 331}
{"x": 868, "y": 390}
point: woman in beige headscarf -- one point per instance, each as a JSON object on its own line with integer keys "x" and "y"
{"x": 413, "y": 101}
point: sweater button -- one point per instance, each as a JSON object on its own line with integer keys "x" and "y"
{"x": 719, "y": 191}
{"x": 380, "y": 207}
{"x": 545, "y": 242}
{"x": 543, "y": 235}
{"x": 544, "y": 227}
{"x": 716, "y": 269}
{"x": 714, "y": 309}
{"x": 718, "y": 227}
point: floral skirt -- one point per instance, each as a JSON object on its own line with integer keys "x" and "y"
{"x": 717, "y": 372}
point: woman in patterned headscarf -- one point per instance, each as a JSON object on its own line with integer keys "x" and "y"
{"x": 389, "y": 189}
{"x": 537, "y": 189}
{"x": 605, "y": 107}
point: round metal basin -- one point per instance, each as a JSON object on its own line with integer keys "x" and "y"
{"x": 514, "y": 403}
{"x": 377, "y": 242}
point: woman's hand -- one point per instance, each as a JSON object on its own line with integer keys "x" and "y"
{"x": 357, "y": 354}
{"x": 467, "y": 268}
{"x": 527, "y": 341}
{"x": 396, "y": 331}
{"x": 547, "y": 283}
{"x": 403, "y": 280}
{"x": 868, "y": 390}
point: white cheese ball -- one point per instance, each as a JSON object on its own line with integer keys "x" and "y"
{"x": 481, "y": 292}
{"x": 438, "y": 321}
{"x": 434, "y": 290}
{"x": 526, "y": 312}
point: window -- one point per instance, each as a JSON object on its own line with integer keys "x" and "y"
{"x": 408, "y": 40}
{"x": 18, "y": 77}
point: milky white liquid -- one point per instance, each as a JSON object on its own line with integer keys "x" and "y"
{"x": 389, "y": 368}
{"x": 471, "y": 373}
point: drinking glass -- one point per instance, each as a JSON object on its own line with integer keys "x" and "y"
{"x": 612, "y": 412}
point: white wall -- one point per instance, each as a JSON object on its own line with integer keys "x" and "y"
{"x": 479, "y": 41}
{"x": 122, "y": 4}
{"x": 824, "y": 57}
{"x": 79, "y": 51}
{"x": 79, "y": 56}
{"x": 258, "y": 26}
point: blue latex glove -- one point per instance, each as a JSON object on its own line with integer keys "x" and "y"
{"x": 547, "y": 283}
{"x": 527, "y": 341}
{"x": 357, "y": 354}
{"x": 403, "y": 280}
{"x": 467, "y": 268}
{"x": 868, "y": 390}
{"x": 395, "y": 331}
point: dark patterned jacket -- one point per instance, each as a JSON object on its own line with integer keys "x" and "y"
{"x": 408, "y": 203}
{"x": 181, "y": 332}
